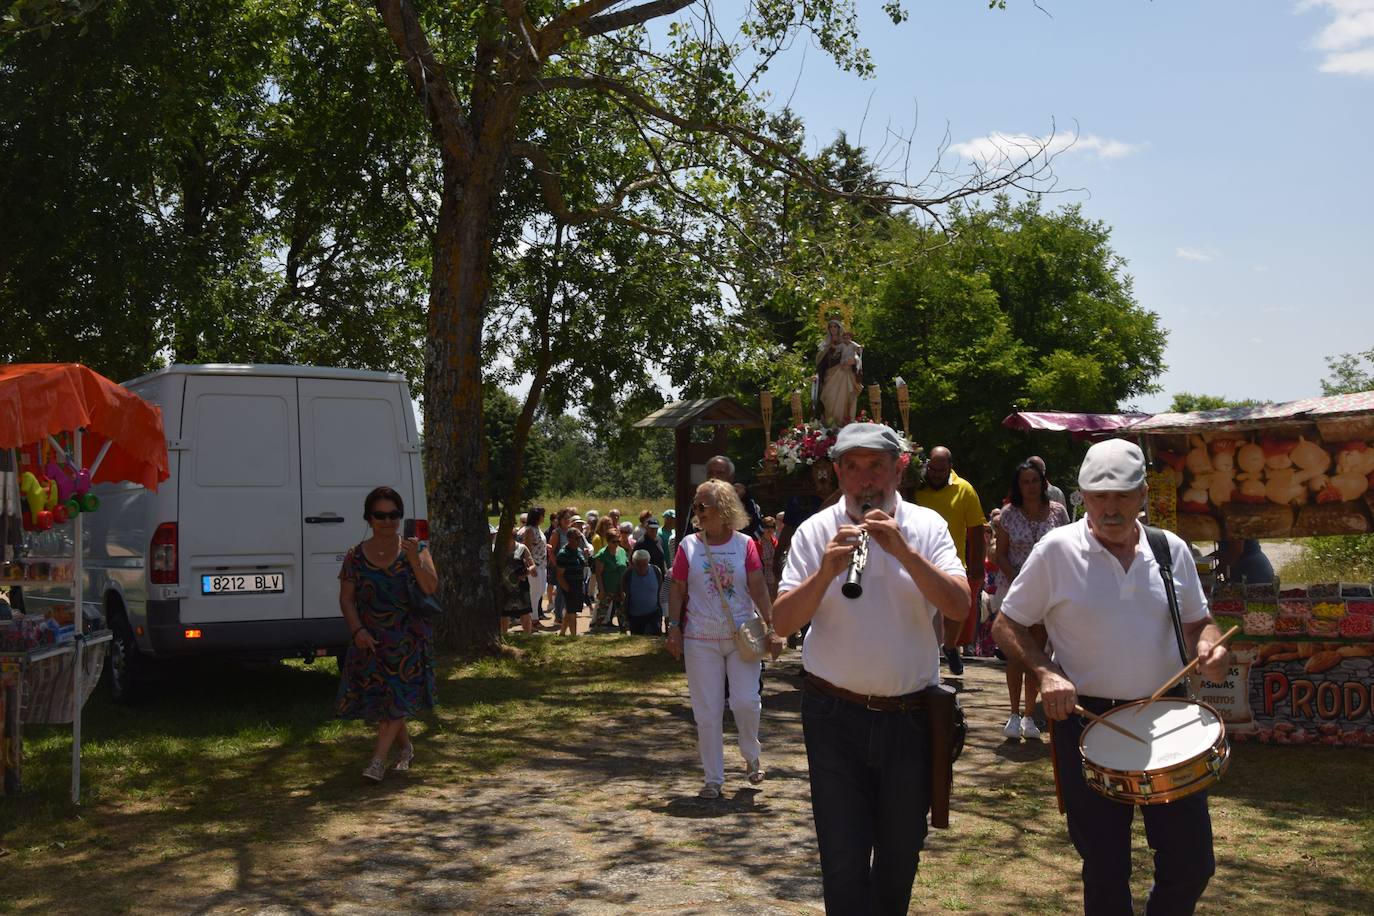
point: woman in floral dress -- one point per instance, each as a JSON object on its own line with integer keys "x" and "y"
{"x": 388, "y": 673}
{"x": 1024, "y": 521}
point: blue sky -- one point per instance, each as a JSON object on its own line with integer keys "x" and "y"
{"x": 1227, "y": 143}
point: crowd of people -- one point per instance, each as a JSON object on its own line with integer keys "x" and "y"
{"x": 939, "y": 580}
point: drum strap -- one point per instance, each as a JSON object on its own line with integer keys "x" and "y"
{"x": 1159, "y": 546}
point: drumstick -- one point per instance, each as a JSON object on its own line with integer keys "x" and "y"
{"x": 1186, "y": 668}
{"x": 1108, "y": 723}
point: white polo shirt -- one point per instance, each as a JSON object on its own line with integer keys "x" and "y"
{"x": 883, "y": 642}
{"x": 1110, "y": 627}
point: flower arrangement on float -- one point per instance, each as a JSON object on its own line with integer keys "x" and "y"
{"x": 803, "y": 445}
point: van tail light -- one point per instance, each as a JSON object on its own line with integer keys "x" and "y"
{"x": 422, "y": 529}
{"x": 162, "y": 555}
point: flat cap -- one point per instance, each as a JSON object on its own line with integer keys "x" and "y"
{"x": 877, "y": 436}
{"x": 1113, "y": 465}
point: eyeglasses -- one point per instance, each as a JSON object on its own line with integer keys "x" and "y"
{"x": 701, "y": 507}
{"x": 385, "y": 516}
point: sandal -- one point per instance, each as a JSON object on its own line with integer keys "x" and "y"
{"x": 404, "y": 758}
{"x": 375, "y": 770}
{"x": 710, "y": 790}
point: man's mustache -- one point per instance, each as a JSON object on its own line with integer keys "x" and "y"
{"x": 1114, "y": 519}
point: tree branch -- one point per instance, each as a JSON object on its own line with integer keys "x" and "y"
{"x": 552, "y": 189}
{"x": 428, "y": 78}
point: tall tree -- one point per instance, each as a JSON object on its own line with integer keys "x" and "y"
{"x": 211, "y": 182}
{"x": 1187, "y": 402}
{"x": 480, "y": 69}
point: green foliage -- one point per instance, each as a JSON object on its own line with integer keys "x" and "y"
{"x": 1187, "y": 402}
{"x": 499, "y": 413}
{"x": 232, "y": 181}
{"x": 1350, "y": 372}
{"x": 1341, "y": 558}
{"x": 583, "y": 460}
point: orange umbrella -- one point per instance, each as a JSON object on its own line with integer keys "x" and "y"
{"x": 38, "y": 400}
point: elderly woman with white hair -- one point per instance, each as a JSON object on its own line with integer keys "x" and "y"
{"x": 718, "y": 579}
{"x": 641, "y": 586}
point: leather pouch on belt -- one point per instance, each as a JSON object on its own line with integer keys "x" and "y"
{"x": 947, "y": 730}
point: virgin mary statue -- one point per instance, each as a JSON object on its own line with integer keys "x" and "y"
{"x": 838, "y": 374}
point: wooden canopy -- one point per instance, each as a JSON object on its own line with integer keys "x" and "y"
{"x": 681, "y": 416}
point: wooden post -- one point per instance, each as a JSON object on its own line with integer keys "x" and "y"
{"x": 875, "y": 403}
{"x": 682, "y": 477}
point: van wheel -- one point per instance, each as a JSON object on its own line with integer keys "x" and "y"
{"x": 124, "y": 666}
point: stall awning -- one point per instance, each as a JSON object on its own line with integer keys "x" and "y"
{"x": 38, "y": 400}
{"x": 1327, "y": 408}
{"x": 1081, "y": 425}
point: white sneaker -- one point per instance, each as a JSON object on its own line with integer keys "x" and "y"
{"x": 1013, "y": 727}
{"x": 1028, "y": 728}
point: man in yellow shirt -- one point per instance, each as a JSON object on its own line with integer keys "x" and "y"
{"x": 957, "y": 502}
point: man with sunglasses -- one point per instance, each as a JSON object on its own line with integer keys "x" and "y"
{"x": 869, "y": 661}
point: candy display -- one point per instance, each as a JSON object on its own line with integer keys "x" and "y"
{"x": 1294, "y": 608}
{"x": 1324, "y": 590}
{"x": 1289, "y": 626}
{"x": 1295, "y": 591}
{"x": 1259, "y": 624}
{"x": 1328, "y": 610}
{"x": 1357, "y": 626}
{"x": 1355, "y": 591}
{"x": 1228, "y": 606}
{"x": 1323, "y": 627}
{"x": 1359, "y": 608}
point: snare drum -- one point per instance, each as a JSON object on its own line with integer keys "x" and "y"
{"x": 1185, "y": 751}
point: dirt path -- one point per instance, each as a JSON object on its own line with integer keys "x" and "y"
{"x": 612, "y": 825}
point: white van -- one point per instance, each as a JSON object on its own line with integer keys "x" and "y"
{"x": 238, "y": 552}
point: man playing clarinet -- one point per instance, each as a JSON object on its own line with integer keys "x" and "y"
{"x": 869, "y": 661}
{"x": 1097, "y": 588}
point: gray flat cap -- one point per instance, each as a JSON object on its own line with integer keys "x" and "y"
{"x": 1114, "y": 465}
{"x": 876, "y": 436}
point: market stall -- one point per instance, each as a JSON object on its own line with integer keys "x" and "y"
{"x": 1305, "y": 662}
{"x": 52, "y": 417}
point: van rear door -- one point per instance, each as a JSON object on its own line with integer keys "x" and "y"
{"x": 239, "y": 509}
{"x": 353, "y": 438}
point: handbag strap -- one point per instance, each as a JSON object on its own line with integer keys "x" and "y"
{"x": 715, "y": 575}
{"x": 1159, "y": 546}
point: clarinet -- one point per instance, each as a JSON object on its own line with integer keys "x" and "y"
{"x": 853, "y": 587}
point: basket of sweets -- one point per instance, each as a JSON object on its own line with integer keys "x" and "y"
{"x": 1223, "y": 590}
{"x": 1360, "y": 608}
{"x": 1228, "y": 606}
{"x": 1289, "y": 626}
{"x": 1261, "y": 591}
{"x": 1324, "y": 627}
{"x": 1357, "y": 626}
{"x": 1296, "y": 608}
{"x": 1324, "y": 590}
{"x": 1355, "y": 590}
{"x": 1257, "y": 623}
{"x": 1293, "y": 591}
{"x": 1328, "y": 610}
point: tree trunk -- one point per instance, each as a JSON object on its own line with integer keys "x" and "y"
{"x": 455, "y": 449}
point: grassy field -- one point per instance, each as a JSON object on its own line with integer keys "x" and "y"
{"x": 562, "y": 781}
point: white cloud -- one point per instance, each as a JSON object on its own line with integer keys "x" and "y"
{"x": 1196, "y": 254}
{"x": 996, "y": 148}
{"x": 1347, "y": 41}
{"x": 1256, "y": 340}
{"x": 1260, "y": 269}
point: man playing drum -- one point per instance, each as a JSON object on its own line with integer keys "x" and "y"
{"x": 1097, "y": 588}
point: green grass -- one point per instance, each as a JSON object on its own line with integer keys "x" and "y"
{"x": 1348, "y": 558}
{"x": 226, "y": 756}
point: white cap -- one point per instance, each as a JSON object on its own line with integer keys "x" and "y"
{"x": 1114, "y": 465}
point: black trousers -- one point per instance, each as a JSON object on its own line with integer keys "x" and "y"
{"x": 870, "y": 789}
{"x": 1180, "y": 833}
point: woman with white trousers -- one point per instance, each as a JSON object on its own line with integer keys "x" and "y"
{"x": 718, "y": 579}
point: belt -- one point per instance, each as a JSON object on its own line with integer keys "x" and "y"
{"x": 911, "y": 702}
{"x": 1099, "y": 705}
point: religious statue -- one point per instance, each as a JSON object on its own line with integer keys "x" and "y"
{"x": 839, "y": 375}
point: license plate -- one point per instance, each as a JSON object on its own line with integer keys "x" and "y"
{"x": 245, "y": 583}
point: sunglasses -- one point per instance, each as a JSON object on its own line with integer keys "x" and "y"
{"x": 387, "y": 516}
{"x": 701, "y": 507}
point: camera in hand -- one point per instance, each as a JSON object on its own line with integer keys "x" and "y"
{"x": 853, "y": 585}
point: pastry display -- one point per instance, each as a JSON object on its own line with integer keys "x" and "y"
{"x": 1290, "y": 481}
